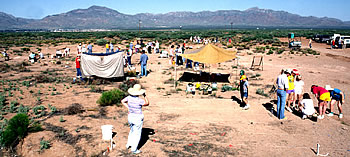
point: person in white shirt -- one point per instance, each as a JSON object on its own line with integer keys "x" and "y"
{"x": 306, "y": 106}
{"x": 156, "y": 48}
{"x": 66, "y": 52}
{"x": 111, "y": 47}
{"x": 41, "y": 55}
{"x": 83, "y": 50}
{"x": 282, "y": 87}
{"x": 298, "y": 87}
{"x": 171, "y": 54}
{"x": 79, "y": 48}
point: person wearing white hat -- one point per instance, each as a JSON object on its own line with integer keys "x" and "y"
{"x": 134, "y": 103}
{"x": 337, "y": 96}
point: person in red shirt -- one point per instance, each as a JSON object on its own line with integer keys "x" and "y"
{"x": 323, "y": 97}
{"x": 77, "y": 65}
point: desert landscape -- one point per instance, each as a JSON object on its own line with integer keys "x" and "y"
{"x": 66, "y": 120}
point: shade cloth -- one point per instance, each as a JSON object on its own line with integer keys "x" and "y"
{"x": 210, "y": 54}
{"x": 102, "y": 54}
{"x": 106, "y": 67}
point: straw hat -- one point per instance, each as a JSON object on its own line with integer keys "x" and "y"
{"x": 328, "y": 87}
{"x": 136, "y": 90}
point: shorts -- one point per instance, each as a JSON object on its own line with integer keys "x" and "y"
{"x": 325, "y": 97}
{"x": 298, "y": 91}
{"x": 337, "y": 98}
{"x": 244, "y": 95}
{"x": 290, "y": 91}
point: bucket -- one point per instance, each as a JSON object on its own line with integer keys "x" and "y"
{"x": 107, "y": 132}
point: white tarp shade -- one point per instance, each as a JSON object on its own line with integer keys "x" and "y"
{"x": 102, "y": 66}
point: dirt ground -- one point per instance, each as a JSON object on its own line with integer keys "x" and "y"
{"x": 180, "y": 124}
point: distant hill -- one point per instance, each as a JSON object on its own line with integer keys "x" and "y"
{"x": 97, "y": 17}
{"x": 8, "y": 21}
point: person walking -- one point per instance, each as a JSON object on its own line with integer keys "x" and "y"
{"x": 77, "y": 66}
{"x": 323, "y": 97}
{"x": 143, "y": 62}
{"x": 310, "y": 42}
{"x": 134, "y": 103}
{"x": 244, "y": 91}
{"x": 337, "y": 96}
{"x": 282, "y": 87}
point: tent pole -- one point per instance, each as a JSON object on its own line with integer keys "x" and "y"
{"x": 175, "y": 76}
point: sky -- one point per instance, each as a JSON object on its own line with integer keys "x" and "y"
{"x": 37, "y": 9}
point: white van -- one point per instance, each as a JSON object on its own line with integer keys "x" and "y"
{"x": 346, "y": 40}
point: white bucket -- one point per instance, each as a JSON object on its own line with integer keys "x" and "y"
{"x": 107, "y": 132}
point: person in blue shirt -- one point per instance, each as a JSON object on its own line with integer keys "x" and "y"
{"x": 337, "y": 96}
{"x": 143, "y": 62}
{"x": 89, "y": 48}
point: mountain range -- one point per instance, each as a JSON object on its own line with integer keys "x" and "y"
{"x": 97, "y": 17}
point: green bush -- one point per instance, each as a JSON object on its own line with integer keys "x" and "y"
{"x": 101, "y": 42}
{"x": 16, "y": 129}
{"x": 44, "y": 144}
{"x": 111, "y": 97}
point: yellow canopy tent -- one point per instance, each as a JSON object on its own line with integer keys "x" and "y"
{"x": 210, "y": 54}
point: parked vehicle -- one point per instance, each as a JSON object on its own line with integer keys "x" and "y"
{"x": 293, "y": 43}
{"x": 321, "y": 38}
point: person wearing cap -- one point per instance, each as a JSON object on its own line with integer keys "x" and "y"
{"x": 323, "y": 97}
{"x": 77, "y": 65}
{"x": 244, "y": 91}
{"x": 282, "y": 87}
{"x": 337, "y": 96}
{"x": 298, "y": 88}
{"x": 290, "y": 91}
{"x": 134, "y": 102}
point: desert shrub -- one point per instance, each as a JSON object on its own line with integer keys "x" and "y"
{"x": 261, "y": 92}
{"x": 16, "y": 129}
{"x": 111, "y": 97}
{"x": 101, "y": 42}
{"x": 23, "y": 109}
{"x": 74, "y": 109}
{"x": 44, "y": 144}
{"x": 270, "y": 52}
{"x": 127, "y": 84}
{"x": 229, "y": 46}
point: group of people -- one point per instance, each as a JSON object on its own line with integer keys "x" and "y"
{"x": 290, "y": 96}
{"x": 83, "y": 48}
{"x": 34, "y": 57}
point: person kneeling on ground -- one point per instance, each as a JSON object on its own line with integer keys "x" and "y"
{"x": 134, "y": 103}
{"x": 337, "y": 96}
{"x": 306, "y": 106}
{"x": 244, "y": 91}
